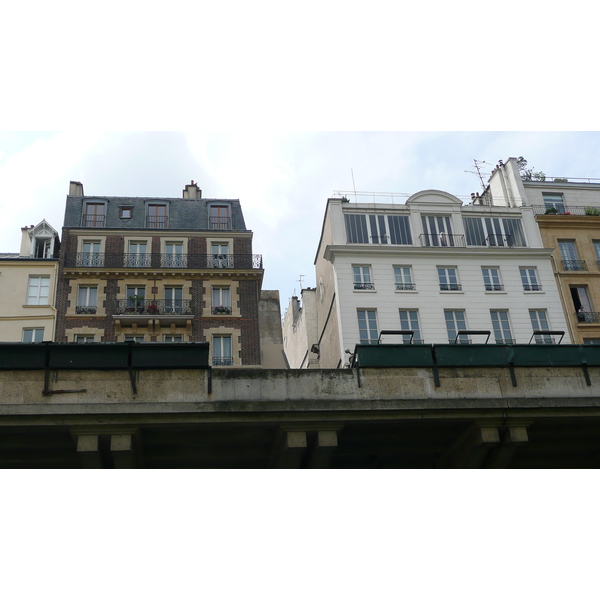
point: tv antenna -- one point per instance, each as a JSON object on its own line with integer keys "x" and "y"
{"x": 478, "y": 171}
{"x": 300, "y": 280}
{"x": 353, "y": 184}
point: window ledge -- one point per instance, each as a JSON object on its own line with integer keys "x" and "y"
{"x": 406, "y": 291}
{"x": 533, "y": 292}
{"x": 365, "y": 291}
{"x": 36, "y": 305}
{"x": 451, "y": 292}
{"x": 496, "y": 293}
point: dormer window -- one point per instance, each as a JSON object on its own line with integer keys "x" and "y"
{"x": 125, "y": 212}
{"x": 219, "y": 217}
{"x": 94, "y": 214}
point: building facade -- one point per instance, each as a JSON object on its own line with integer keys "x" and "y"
{"x": 28, "y": 286}
{"x": 431, "y": 268}
{"x": 160, "y": 270}
{"x": 567, "y": 212}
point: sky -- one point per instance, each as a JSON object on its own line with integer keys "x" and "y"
{"x": 282, "y": 179}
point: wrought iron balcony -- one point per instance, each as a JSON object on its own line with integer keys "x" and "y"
{"x": 219, "y": 222}
{"x": 85, "y": 310}
{"x": 494, "y": 287}
{"x": 532, "y": 287}
{"x": 574, "y": 265}
{"x": 460, "y": 341}
{"x": 450, "y": 287}
{"x": 588, "y": 317}
{"x": 221, "y": 310}
{"x": 442, "y": 240}
{"x": 153, "y": 307}
{"x": 168, "y": 261}
{"x": 380, "y": 239}
{"x": 406, "y": 286}
{"x": 222, "y": 361}
{"x": 157, "y": 222}
{"x": 497, "y": 240}
{"x": 93, "y": 220}
{"x": 546, "y": 339}
{"x": 364, "y": 286}
{"x": 506, "y": 341}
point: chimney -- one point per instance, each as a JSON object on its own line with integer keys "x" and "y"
{"x": 75, "y": 188}
{"x": 192, "y": 191}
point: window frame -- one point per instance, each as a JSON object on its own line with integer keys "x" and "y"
{"x": 501, "y": 327}
{"x": 362, "y": 278}
{"x": 223, "y": 358}
{"x": 456, "y": 327}
{"x": 408, "y": 323}
{"x": 368, "y": 328}
{"x": 492, "y": 282}
{"x": 450, "y": 286}
{"x": 38, "y": 295}
{"x": 402, "y": 282}
{"x": 34, "y": 333}
{"x": 525, "y": 273}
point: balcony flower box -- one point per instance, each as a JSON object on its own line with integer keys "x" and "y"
{"x": 222, "y": 310}
{"x": 152, "y": 309}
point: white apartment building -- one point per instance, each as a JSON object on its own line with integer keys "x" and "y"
{"x": 434, "y": 267}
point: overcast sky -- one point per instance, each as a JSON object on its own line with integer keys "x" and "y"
{"x": 282, "y": 180}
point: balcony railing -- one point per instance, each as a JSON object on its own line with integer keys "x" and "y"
{"x": 222, "y": 361}
{"x": 221, "y": 310}
{"x": 588, "y": 317}
{"x": 406, "y": 286}
{"x": 153, "y": 307}
{"x": 574, "y": 265}
{"x": 494, "y": 287}
{"x": 93, "y": 220}
{"x": 85, "y": 310}
{"x": 157, "y": 222}
{"x": 541, "y": 209}
{"x": 532, "y": 287}
{"x": 450, "y": 287}
{"x": 442, "y": 240}
{"x": 380, "y": 239}
{"x": 168, "y": 261}
{"x": 494, "y": 240}
{"x": 506, "y": 341}
{"x": 219, "y": 222}
{"x": 364, "y": 286}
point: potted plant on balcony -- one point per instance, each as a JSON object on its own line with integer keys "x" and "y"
{"x": 551, "y": 211}
{"x": 592, "y": 211}
{"x": 152, "y": 309}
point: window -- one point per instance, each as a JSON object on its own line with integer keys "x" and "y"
{"x": 591, "y": 341}
{"x": 448, "y": 277}
{"x": 356, "y": 229}
{"x": 135, "y": 298}
{"x": 501, "y": 327}
{"x": 221, "y": 259}
{"x": 34, "y": 335}
{"x": 138, "y": 255}
{"x": 597, "y": 250}
{"x": 409, "y": 320}
{"x": 90, "y": 257}
{"x": 221, "y": 350}
{"x": 221, "y": 301}
{"x": 125, "y": 212}
{"x": 403, "y": 276}
{"x": 491, "y": 279}
{"x": 42, "y": 247}
{"x": 399, "y": 229}
{"x": 555, "y": 201}
{"x": 219, "y": 217}
{"x": 134, "y": 338}
{"x": 539, "y": 322}
{"x": 173, "y": 339}
{"x": 494, "y": 232}
{"x": 157, "y": 216}
{"x": 529, "y": 279}
{"x": 94, "y": 214}
{"x": 570, "y": 259}
{"x": 87, "y": 300}
{"x": 582, "y": 304}
{"x": 84, "y": 339}
{"x": 174, "y": 256}
{"x": 378, "y": 229}
{"x": 362, "y": 277}
{"x": 174, "y": 300}
{"x": 455, "y": 322}
{"x": 38, "y": 290}
{"x": 367, "y": 327}
{"x": 437, "y": 231}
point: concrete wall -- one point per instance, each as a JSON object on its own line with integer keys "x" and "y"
{"x": 300, "y": 331}
{"x": 271, "y": 338}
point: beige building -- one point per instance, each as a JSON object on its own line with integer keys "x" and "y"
{"x": 28, "y": 286}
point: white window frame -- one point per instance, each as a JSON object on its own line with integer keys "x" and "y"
{"x": 530, "y": 279}
{"x": 170, "y": 338}
{"x": 456, "y": 325}
{"x": 85, "y": 292}
{"x": 410, "y": 321}
{"x": 222, "y": 356}
{"x": 221, "y": 300}
{"x": 403, "y": 276}
{"x": 537, "y": 325}
{"x": 362, "y": 279}
{"x": 491, "y": 279}
{"x": 448, "y": 279}
{"x": 501, "y": 326}
{"x": 84, "y": 338}
{"x": 36, "y": 332}
{"x": 366, "y": 318}
{"x": 34, "y": 290}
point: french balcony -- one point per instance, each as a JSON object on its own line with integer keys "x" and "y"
{"x": 441, "y": 240}
{"x": 588, "y": 317}
{"x": 222, "y": 361}
{"x": 166, "y": 261}
{"x": 221, "y": 310}
{"x": 364, "y": 286}
{"x": 532, "y": 287}
{"x": 450, "y": 287}
{"x": 574, "y": 265}
{"x": 157, "y": 222}
{"x": 153, "y": 308}
{"x": 219, "y": 222}
{"x": 93, "y": 221}
{"x": 86, "y": 310}
{"x": 506, "y": 341}
{"x": 497, "y": 240}
{"x": 494, "y": 287}
{"x": 406, "y": 286}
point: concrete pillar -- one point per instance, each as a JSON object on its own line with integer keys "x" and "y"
{"x": 322, "y": 450}
{"x": 289, "y": 450}
{"x": 88, "y": 450}
{"x": 512, "y": 439}
{"x": 122, "y": 451}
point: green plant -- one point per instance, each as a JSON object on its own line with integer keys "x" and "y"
{"x": 551, "y": 211}
{"x": 594, "y": 212}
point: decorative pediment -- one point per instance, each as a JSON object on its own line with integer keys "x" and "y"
{"x": 43, "y": 230}
{"x": 434, "y": 197}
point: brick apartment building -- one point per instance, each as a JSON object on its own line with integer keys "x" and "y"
{"x": 160, "y": 270}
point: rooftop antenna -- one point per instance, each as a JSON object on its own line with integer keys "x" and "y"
{"x": 478, "y": 173}
{"x": 300, "y": 281}
{"x": 353, "y": 185}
